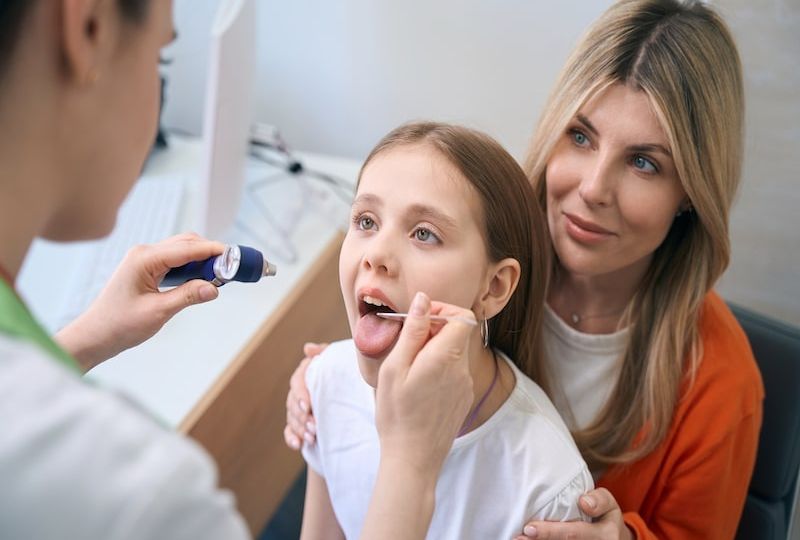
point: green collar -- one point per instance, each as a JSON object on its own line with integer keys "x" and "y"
{"x": 17, "y": 321}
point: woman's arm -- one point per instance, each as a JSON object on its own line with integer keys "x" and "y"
{"x": 131, "y": 309}
{"x": 703, "y": 500}
{"x": 319, "y": 521}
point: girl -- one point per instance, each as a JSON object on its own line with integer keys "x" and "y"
{"x": 636, "y": 161}
{"x": 444, "y": 210}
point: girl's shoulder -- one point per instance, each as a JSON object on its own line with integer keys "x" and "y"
{"x": 334, "y": 377}
{"x": 529, "y": 405}
{"x": 337, "y": 361}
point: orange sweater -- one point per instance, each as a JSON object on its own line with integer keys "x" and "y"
{"x": 694, "y": 484}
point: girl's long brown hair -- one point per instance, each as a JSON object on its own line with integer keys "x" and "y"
{"x": 514, "y": 226}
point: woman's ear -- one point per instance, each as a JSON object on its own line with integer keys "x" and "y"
{"x": 503, "y": 279}
{"x": 85, "y": 30}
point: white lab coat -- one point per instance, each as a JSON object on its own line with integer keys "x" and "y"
{"x": 78, "y": 462}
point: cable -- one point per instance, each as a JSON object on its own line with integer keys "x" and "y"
{"x": 292, "y": 165}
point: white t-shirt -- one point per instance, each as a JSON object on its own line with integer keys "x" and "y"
{"x": 520, "y": 464}
{"x": 80, "y": 462}
{"x": 584, "y": 368}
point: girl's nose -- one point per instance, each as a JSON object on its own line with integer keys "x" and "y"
{"x": 380, "y": 257}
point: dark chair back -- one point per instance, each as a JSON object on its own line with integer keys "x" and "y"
{"x": 771, "y": 508}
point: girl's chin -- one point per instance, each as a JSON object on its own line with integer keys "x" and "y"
{"x": 369, "y": 368}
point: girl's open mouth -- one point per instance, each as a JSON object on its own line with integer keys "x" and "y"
{"x": 373, "y": 335}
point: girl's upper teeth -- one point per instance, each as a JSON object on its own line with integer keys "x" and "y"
{"x": 373, "y": 301}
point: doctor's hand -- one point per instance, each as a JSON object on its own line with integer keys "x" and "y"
{"x": 598, "y": 504}
{"x": 131, "y": 309}
{"x": 424, "y": 386}
{"x": 423, "y": 394}
{"x": 300, "y": 426}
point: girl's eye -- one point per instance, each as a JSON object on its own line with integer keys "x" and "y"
{"x": 579, "y": 138}
{"x": 644, "y": 164}
{"x": 366, "y": 223}
{"x": 425, "y": 235}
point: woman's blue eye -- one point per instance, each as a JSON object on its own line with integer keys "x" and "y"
{"x": 579, "y": 138}
{"x": 365, "y": 223}
{"x": 644, "y": 164}
{"x": 425, "y": 235}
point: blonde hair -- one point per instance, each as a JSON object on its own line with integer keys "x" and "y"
{"x": 514, "y": 226}
{"x": 681, "y": 54}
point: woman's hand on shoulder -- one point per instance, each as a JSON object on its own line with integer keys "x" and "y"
{"x": 300, "y": 424}
{"x": 131, "y": 309}
{"x": 600, "y": 505}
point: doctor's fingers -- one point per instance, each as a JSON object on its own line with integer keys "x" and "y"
{"x": 175, "y": 251}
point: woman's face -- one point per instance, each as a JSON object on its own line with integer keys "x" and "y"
{"x": 416, "y": 226}
{"x": 612, "y": 187}
{"x": 116, "y": 119}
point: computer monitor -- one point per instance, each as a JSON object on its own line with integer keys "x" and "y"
{"x": 227, "y": 116}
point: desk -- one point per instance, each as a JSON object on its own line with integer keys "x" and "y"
{"x": 219, "y": 372}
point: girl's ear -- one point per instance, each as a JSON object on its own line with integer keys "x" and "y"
{"x": 85, "y": 28}
{"x": 503, "y": 279}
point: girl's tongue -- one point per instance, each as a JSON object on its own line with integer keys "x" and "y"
{"x": 374, "y": 335}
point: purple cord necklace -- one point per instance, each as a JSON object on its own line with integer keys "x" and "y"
{"x": 474, "y": 414}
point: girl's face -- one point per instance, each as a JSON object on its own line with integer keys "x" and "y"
{"x": 416, "y": 225}
{"x": 612, "y": 187}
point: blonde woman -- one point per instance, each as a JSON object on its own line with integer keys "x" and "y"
{"x": 637, "y": 160}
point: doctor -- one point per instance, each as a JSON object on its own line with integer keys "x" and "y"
{"x": 79, "y": 94}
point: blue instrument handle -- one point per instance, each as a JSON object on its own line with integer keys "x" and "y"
{"x": 251, "y": 268}
{"x": 193, "y": 270}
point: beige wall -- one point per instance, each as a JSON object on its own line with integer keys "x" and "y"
{"x": 335, "y": 76}
{"x": 765, "y": 227}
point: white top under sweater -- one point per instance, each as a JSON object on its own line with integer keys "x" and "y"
{"x": 586, "y": 367}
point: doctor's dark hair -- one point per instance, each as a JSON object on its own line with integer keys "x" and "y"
{"x": 13, "y": 14}
{"x": 513, "y": 226}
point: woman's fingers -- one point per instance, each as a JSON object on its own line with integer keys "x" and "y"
{"x": 598, "y": 502}
{"x": 292, "y": 440}
{"x": 558, "y": 530}
{"x": 300, "y": 425}
{"x": 310, "y": 350}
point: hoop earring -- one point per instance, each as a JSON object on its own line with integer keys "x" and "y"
{"x": 485, "y": 333}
